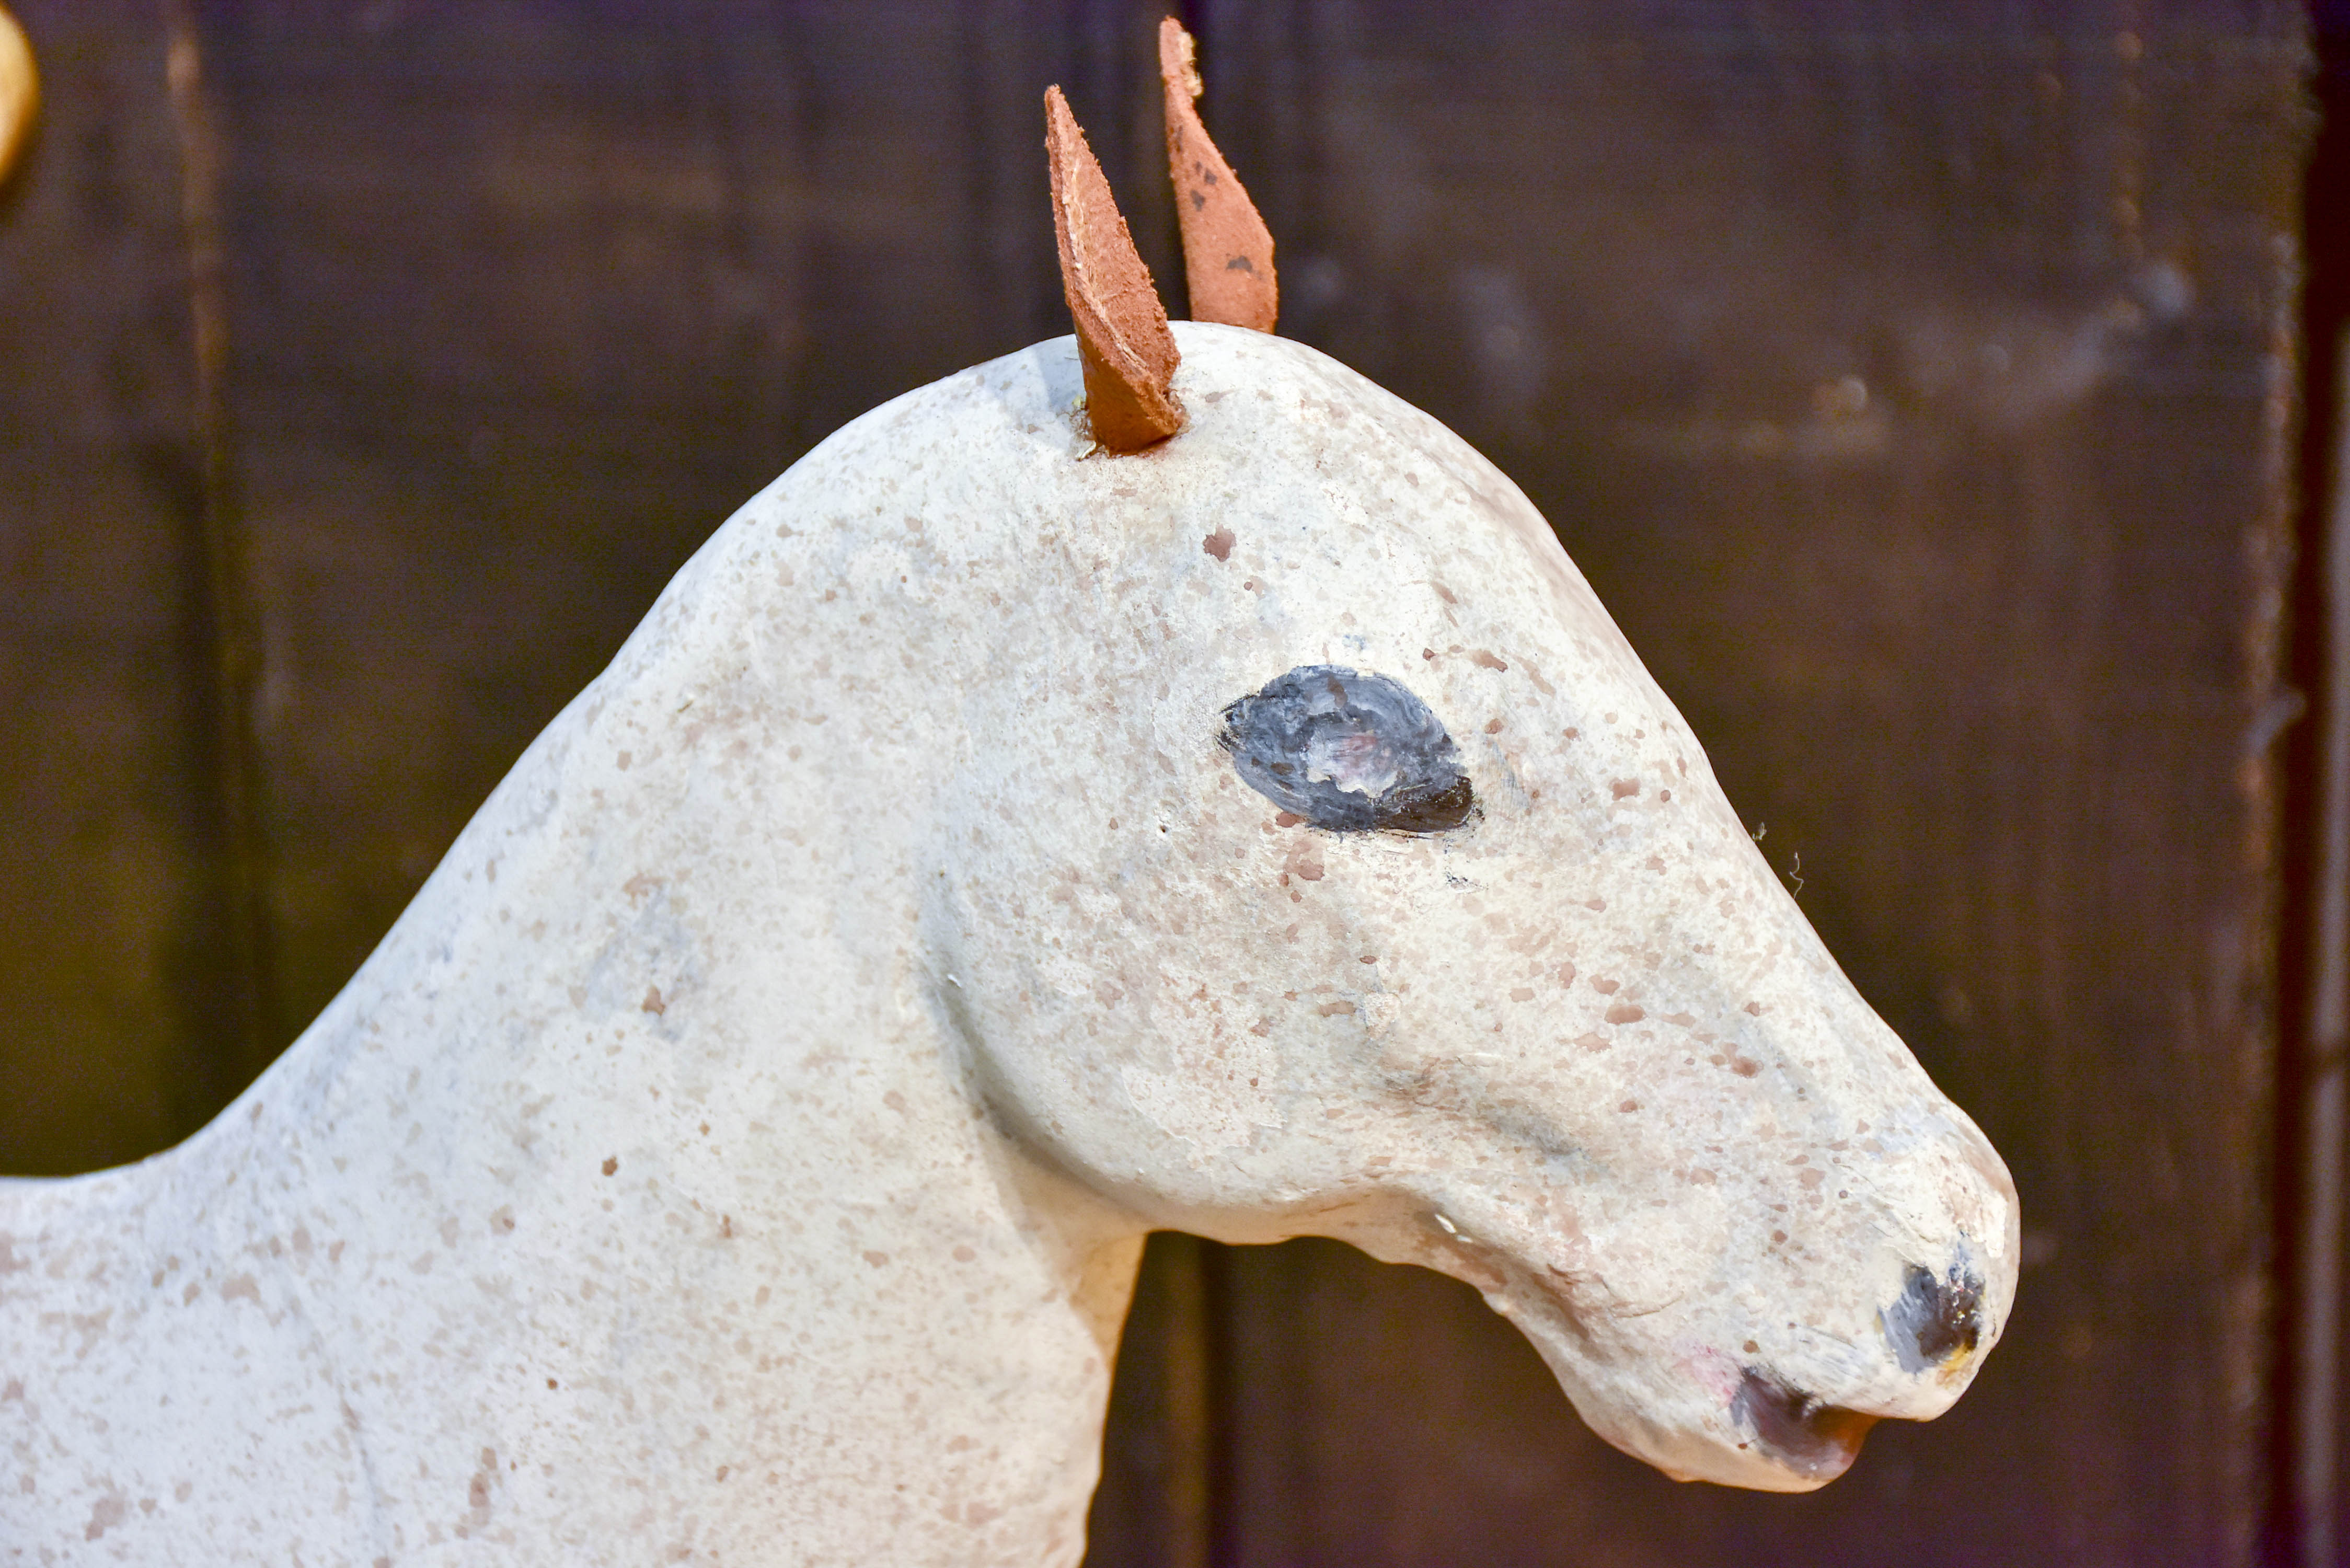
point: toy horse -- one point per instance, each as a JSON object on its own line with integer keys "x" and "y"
{"x": 1155, "y": 780}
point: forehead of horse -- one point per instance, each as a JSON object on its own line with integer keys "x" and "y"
{"x": 1305, "y": 516}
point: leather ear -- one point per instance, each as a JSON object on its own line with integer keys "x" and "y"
{"x": 1227, "y": 249}
{"x": 1129, "y": 356}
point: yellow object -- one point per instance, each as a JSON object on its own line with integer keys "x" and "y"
{"x": 20, "y": 91}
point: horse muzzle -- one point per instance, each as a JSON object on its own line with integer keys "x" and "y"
{"x": 1934, "y": 1327}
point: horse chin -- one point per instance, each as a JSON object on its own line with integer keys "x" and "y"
{"x": 1691, "y": 1457}
{"x": 1754, "y": 1433}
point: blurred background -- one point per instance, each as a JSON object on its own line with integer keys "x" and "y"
{"x": 1939, "y": 396}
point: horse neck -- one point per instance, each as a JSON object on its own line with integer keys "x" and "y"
{"x": 654, "y": 1057}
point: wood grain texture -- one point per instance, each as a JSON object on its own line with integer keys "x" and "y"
{"x": 1156, "y": 1502}
{"x": 1913, "y": 393}
{"x": 119, "y": 1007}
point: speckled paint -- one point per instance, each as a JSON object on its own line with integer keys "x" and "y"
{"x": 741, "y": 1151}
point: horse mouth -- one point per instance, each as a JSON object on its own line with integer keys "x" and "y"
{"x": 1812, "y": 1438}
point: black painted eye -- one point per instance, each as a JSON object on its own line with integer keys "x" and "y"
{"x": 1349, "y": 752}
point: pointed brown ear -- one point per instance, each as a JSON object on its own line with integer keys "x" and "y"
{"x": 1129, "y": 356}
{"x": 1227, "y": 249}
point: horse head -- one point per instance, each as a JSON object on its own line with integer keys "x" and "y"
{"x": 1326, "y": 862}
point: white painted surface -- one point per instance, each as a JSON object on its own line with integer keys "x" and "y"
{"x": 652, "y": 1190}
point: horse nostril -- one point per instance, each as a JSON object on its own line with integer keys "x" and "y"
{"x": 1810, "y": 1437}
{"x": 1935, "y": 1320}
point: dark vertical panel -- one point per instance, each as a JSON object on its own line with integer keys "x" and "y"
{"x": 1152, "y": 1509}
{"x": 1914, "y": 387}
{"x": 117, "y": 1031}
{"x": 2313, "y": 1517}
{"x": 2311, "y": 1409}
{"x": 248, "y": 1031}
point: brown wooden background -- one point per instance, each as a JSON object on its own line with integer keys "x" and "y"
{"x": 1917, "y": 384}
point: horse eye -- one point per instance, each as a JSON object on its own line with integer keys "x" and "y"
{"x": 1348, "y": 752}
